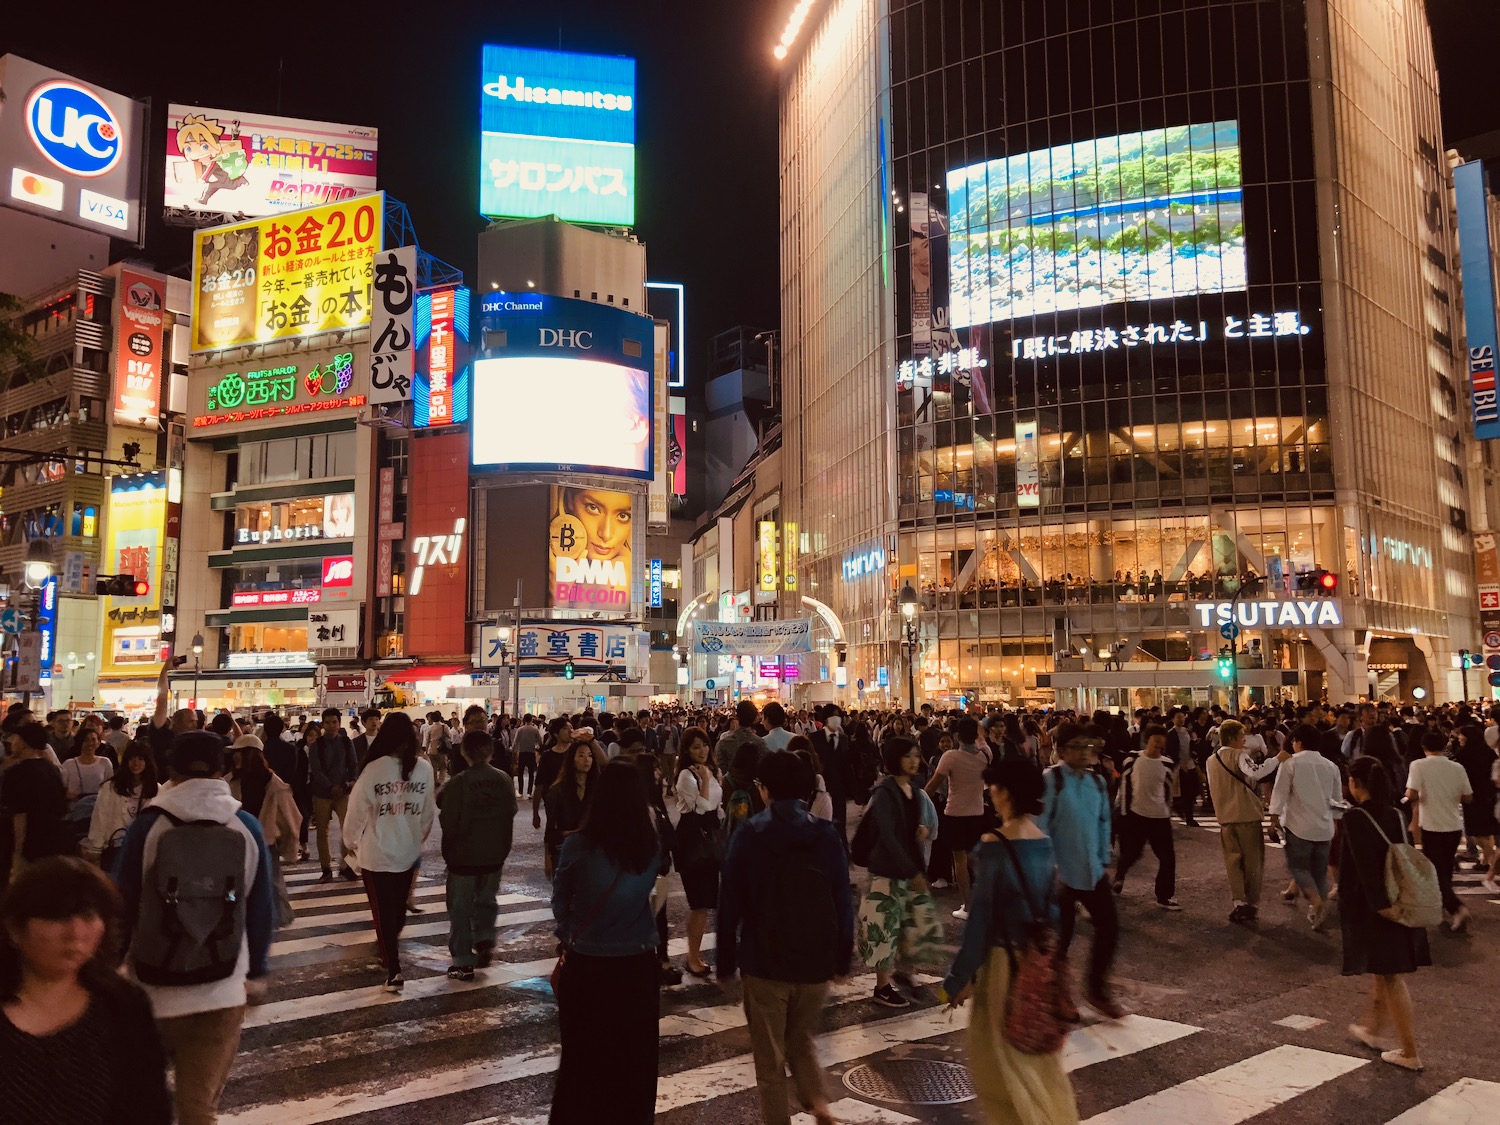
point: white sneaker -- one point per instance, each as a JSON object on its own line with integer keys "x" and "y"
{"x": 962, "y": 914}
{"x": 940, "y": 884}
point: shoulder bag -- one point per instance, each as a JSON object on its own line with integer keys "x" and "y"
{"x": 588, "y": 918}
{"x": 1034, "y": 1023}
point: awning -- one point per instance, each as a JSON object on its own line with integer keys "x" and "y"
{"x": 425, "y": 672}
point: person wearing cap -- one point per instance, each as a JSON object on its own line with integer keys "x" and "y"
{"x": 200, "y": 1023}
{"x": 34, "y": 799}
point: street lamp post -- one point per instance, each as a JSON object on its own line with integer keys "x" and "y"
{"x": 909, "y": 603}
{"x": 197, "y": 665}
{"x": 34, "y": 573}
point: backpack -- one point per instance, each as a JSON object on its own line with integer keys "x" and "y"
{"x": 1411, "y": 882}
{"x": 797, "y": 925}
{"x": 1038, "y": 1004}
{"x": 191, "y": 924}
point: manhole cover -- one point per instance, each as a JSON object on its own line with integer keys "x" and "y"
{"x": 914, "y": 1081}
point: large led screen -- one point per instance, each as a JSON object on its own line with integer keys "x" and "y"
{"x": 589, "y": 549}
{"x": 541, "y": 412}
{"x": 1135, "y": 217}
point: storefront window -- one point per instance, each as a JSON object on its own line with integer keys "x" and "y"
{"x": 268, "y": 646}
{"x": 314, "y": 517}
{"x": 303, "y": 458}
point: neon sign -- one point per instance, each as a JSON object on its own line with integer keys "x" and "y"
{"x": 436, "y": 550}
{"x": 279, "y": 384}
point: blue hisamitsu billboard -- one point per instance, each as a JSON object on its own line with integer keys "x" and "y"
{"x": 558, "y": 136}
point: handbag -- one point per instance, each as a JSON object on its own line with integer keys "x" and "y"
{"x": 1411, "y": 882}
{"x": 588, "y": 918}
{"x": 1034, "y": 1021}
{"x": 700, "y": 841}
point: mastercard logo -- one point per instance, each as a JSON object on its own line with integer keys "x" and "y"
{"x": 43, "y": 191}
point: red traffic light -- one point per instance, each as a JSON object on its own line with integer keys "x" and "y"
{"x": 141, "y": 587}
{"x": 1328, "y": 581}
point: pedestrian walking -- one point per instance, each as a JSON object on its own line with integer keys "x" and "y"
{"x": 200, "y": 953}
{"x": 525, "y": 745}
{"x": 131, "y": 789}
{"x": 961, "y": 770}
{"x": 35, "y": 800}
{"x": 608, "y": 977}
{"x": 332, "y": 768}
{"x": 699, "y": 840}
{"x": 786, "y": 925}
{"x": 391, "y": 810}
{"x": 898, "y": 923}
{"x": 1309, "y": 790}
{"x": 1439, "y": 787}
{"x": 477, "y": 811}
{"x": 1075, "y": 814}
{"x": 1233, "y": 776}
{"x": 1374, "y": 943}
{"x": 78, "y": 1040}
{"x": 567, "y": 798}
{"x": 1145, "y": 801}
{"x": 1015, "y": 872}
{"x": 269, "y": 800}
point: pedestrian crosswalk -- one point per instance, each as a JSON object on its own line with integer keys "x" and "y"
{"x": 331, "y": 1045}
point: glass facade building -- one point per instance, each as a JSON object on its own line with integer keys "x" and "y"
{"x": 1096, "y": 312}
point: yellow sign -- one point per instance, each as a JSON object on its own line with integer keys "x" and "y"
{"x": 767, "y": 556}
{"x": 789, "y": 556}
{"x": 132, "y": 626}
{"x": 293, "y": 274}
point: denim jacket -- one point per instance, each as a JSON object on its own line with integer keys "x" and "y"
{"x": 598, "y": 914}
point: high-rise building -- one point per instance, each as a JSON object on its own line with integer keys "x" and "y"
{"x": 1124, "y": 333}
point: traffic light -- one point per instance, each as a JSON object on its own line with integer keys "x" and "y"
{"x": 568, "y": 671}
{"x": 1471, "y": 660}
{"x": 1226, "y": 667}
{"x": 121, "y": 586}
{"x": 1328, "y": 583}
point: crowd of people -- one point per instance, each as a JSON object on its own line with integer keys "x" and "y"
{"x": 145, "y": 875}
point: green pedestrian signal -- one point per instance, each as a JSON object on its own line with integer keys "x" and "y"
{"x": 568, "y": 670}
{"x": 1226, "y": 667}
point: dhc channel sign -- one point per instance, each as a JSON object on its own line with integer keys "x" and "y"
{"x": 73, "y": 128}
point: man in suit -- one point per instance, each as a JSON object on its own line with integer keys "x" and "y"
{"x": 835, "y": 752}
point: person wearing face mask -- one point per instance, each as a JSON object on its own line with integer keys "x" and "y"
{"x": 832, "y": 746}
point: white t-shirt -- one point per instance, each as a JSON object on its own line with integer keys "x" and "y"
{"x": 86, "y": 780}
{"x": 1151, "y": 787}
{"x": 1440, "y": 784}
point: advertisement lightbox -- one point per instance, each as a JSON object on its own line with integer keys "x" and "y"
{"x": 440, "y": 387}
{"x": 1139, "y": 216}
{"x": 589, "y": 549}
{"x": 557, "y": 136}
{"x": 563, "y": 386}
{"x": 220, "y": 162}
{"x": 140, "y": 318}
{"x": 287, "y": 276}
{"x": 70, "y": 151}
{"x": 132, "y": 626}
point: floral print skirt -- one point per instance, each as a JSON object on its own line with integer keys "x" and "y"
{"x": 897, "y": 920}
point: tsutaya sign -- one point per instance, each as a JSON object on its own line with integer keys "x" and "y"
{"x": 1286, "y": 613}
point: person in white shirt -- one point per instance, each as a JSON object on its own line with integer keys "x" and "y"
{"x": 1308, "y": 790}
{"x": 778, "y": 736}
{"x": 1145, "y": 800}
{"x": 391, "y": 810}
{"x": 699, "y": 795}
{"x": 1439, "y": 787}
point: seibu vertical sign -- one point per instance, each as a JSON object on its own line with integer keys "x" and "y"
{"x": 139, "y": 323}
{"x": 437, "y": 545}
{"x": 1471, "y": 191}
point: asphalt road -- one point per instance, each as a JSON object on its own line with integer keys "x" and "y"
{"x": 1231, "y": 1024}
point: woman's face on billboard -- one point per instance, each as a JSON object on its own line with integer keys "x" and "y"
{"x": 606, "y": 518}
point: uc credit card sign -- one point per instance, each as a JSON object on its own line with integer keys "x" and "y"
{"x": 558, "y": 136}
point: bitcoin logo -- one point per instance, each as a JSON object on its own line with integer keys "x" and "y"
{"x": 568, "y": 537}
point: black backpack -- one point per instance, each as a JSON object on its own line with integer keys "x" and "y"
{"x": 797, "y": 926}
{"x": 192, "y": 912}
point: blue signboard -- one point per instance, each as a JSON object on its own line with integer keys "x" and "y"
{"x": 557, "y": 136}
{"x": 46, "y": 624}
{"x": 656, "y": 583}
{"x": 1470, "y": 190}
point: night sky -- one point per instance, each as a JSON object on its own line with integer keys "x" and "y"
{"x": 706, "y": 116}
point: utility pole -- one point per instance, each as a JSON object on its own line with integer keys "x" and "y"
{"x": 515, "y": 711}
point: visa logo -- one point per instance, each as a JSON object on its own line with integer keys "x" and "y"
{"x": 103, "y": 209}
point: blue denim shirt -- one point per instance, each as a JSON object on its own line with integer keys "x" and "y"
{"x": 1077, "y": 819}
{"x": 594, "y": 919}
{"x": 998, "y": 911}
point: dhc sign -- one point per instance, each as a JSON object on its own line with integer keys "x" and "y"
{"x": 863, "y": 562}
{"x": 1286, "y": 613}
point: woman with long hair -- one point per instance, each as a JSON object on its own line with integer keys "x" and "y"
{"x": 269, "y": 800}
{"x": 391, "y": 810}
{"x": 567, "y": 799}
{"x": 699, "y": 794}
{"x": 608, "y": 978}
{"x": 1374, "y": 943}
{"x": 131, "y": 789}
{"x": 1013, "y": 880}
{"x": 84, "y": 775}
{"x": 819, "y": 803}
{"x": 79, "y": 1042}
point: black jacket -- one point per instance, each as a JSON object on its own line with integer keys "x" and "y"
{"x": 894, "y": 853}
{"x": 838, "y": 769}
